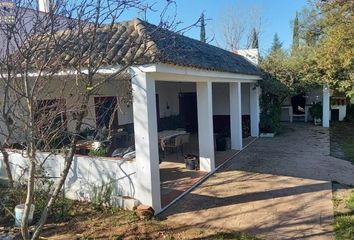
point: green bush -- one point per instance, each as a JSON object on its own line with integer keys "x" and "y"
{"x": 100, "y": 152}
{"x": 273, "y": 93}
{"x": 10, "y": 197}
{"x": 316, "y": 110}
{"x": 270, "y": 119}
{"x": 350, "y": 203}
{"x": 102, "y": 195}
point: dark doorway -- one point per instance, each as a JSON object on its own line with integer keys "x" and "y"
{"x": 335, "y": 115}
{"x": 189, "y": 111}
{"x": 298, "y": 103}
{"x": 106, "y": 112}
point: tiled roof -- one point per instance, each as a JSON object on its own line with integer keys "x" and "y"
{"x": 180, "y": 50}
{"x": 139, "y": 42}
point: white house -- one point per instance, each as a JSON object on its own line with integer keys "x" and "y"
{"x": 215, "y": 91}
{"x": 222, "y": 86}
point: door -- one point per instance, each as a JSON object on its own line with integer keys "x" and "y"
{"x": 189, "y": 111}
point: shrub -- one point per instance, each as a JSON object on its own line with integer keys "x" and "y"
{"x": 273, "y": 93}
{"x": 102, "y": 195}
{"x": 10, "y": 197}
{"x": 100, "y": 152}
{"x": 270, "y": 116}
{"x": 316, "y": 110}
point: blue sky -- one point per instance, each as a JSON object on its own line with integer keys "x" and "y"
{"x": 276, "y": 16}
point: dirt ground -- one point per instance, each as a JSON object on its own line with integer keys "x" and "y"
{"x": 88, "y": 223}
{"x": 125, "y": 225}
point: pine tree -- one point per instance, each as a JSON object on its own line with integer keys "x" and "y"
{"x": 296, "y": 36}
{"x": 202, "y": 28}
{"x": 276, "y": 45}
{"x": 254, "y": 39}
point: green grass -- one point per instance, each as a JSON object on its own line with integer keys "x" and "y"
{"x": 235, "y": 236}
{"x": 350, "y": 203}
{"x": 348, "y": 148}
{"x": 344, "y": 223}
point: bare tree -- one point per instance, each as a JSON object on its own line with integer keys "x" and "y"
{"x": 58, "y": 62}
{"x": 233, "y": 27}
{"x": 254, "y": 28}
{"x": 237, "y": 28}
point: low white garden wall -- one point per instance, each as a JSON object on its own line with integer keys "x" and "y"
{"x": 85, "y": 174}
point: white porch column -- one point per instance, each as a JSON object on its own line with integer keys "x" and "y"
{"x": 205, "y": 126}
{"x": 325, "y": 105}
{"x": 235, "y": 115}
{"x": 147, "y": 185}
{"x": 254, "y": 105}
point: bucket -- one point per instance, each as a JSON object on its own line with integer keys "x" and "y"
{"x": 19, "y": 211}
{"x": 191, "y": 163}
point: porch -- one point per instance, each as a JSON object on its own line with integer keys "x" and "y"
{"x": 212, "y": 106}
{"x": 176, "y": 179}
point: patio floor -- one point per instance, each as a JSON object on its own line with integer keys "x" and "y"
{"x": 278, "y": 188}
{"x": 176, "y": 179}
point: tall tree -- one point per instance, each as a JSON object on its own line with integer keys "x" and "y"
{"x": 276, "y": 45}
{"x": 202, "y": 28}
{"x": 332, "y": 47}
{"x": 296, "y": 34}
{"x": 253, "y": 42}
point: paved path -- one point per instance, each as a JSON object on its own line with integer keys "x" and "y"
{"x": 276, "y": 188}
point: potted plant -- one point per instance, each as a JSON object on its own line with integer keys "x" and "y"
{"x": 192, "y": 162}
{"x": 316, "y": 112}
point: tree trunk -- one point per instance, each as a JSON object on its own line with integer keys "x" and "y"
{"x": 68, "y": 161}
{"x": 5, "y": 155}
{"x": 29, "y": 199}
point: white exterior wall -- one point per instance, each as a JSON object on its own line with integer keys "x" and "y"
{"x": 221, "y": 99}
{"x": 168, "y": 95}
{"x": 85, "y": 173}
{"x": 64, "y": 88}
{"x": 342, "y": 111}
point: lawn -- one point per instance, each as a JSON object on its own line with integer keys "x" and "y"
{"x": 343, "y": 201}
{"x": 342, "y": 146}
{"x": 348, "y": 149}
{"x": 342, "y": 140}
